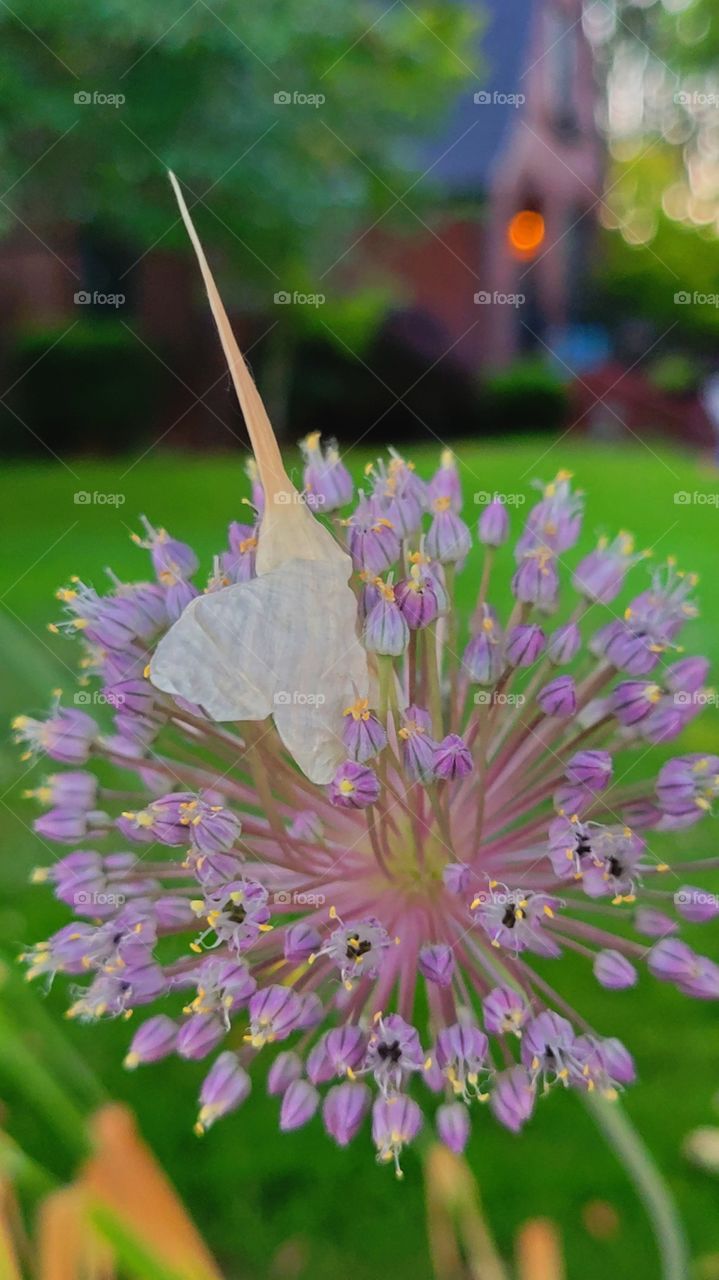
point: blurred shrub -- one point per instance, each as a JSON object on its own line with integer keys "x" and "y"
{"x": 528, "y": 396}
{"x": 675, "y": 374}
{"x": 96, "y": 389}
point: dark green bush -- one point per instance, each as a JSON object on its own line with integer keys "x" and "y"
{"x": 92, "y": 389}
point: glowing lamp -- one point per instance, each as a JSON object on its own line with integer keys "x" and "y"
{"x": 525, "y": 233}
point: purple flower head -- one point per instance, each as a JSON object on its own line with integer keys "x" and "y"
{"x": 650, "y": 624}
{"x": 673, "y": 961}
{"x": 460, "y": 1054}
{"x": 373, "y": 542}
{"x": 559, "y": 697}
{"x": 445, "y": 482}
{"x": 512, "y": 1098}
{"x": 456, "y": 877}
{"x": 328, "y": 483}
{"x": 449, "y": 539}
{"x": 299, "y": 1103}
{"x": 338, "y": 1054}
{"x": 224, "y": 1088}
{"x": 393, "y": 1053}
{"x": 199, "y": 1035}
{"x": 452, "y": 758}
{"x": 418, "y": 747}
{"x": 524, "y": 645}
{"x": 301, "y": 939}
{"x": 604, "y": 1065}
{"x": 547, "y": 1045}
{"x": 357, "y": 949}
{"x": 453, "y": 1126}
{"x": 73, "y": 789}
{"x": 564, "y": 644}
{"x": 483, "y": 659}
{"x": 417, "y": 598}
{"x": 698, "y": 906}
{"x": 275, "y": 1012}
{"x": 606, "y": 861}
{"x": 364, "y": 736}
{"x": 344, "y": 1109}
{"x": 238, "y": 564}
{"x": 493, "y": 526}
{"x": 235, "y": 914}
{"x": 514, "y": 919}
{"x": 536, "y": 580}
{"x": 67, "y": 735}
{"x": 385, "y": 630}
{"x": 153, "y": 1041}
{"x": 687, "y": 788}
{"x": 590, "y": 769}
{"x": 115, "y": 622}
{"x": 395, "y": 1122}
{"x": 436, "y": 964}
{"x": 223, "y": 986}
{"x": 354, "y": 786}
{"x": 614, "y": 971}
{"x": 167, "y": 554}
{"x": 554, "y": 524}
{"x": 286, "y": 1068}
{"x": 505, "y": 1012}
{"x": 165, "y": 819}
{"x": 654, "y": 924}
{"x": 632, "y": 700}
{"x": 369, "y": 594}
{"x": 599, "y": 577}
{"x": 350, "y": 920}
{"x": 400, "y": 495}
{"x": 68, "y": 826}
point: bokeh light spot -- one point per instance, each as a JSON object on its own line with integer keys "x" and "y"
{"x": 525, "y": 232}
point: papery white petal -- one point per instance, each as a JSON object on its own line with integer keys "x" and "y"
{"x": 284, "y": 645}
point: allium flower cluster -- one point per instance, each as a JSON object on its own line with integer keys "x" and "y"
{"x": 372, "y": 936}
{"x": 463, "y": 832}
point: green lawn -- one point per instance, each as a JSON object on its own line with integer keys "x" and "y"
{"x": 250, "y": 1189}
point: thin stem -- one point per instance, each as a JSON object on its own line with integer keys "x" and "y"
{"x": 649, "y": 1185}
{"x": 434, "y": 694}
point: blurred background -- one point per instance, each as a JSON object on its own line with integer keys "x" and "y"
{"x": 492, "y": 224}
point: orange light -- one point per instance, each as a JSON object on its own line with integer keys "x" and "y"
{"x": 525, "y": 232}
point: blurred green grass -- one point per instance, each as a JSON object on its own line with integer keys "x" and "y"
{"x": 250, "y": 1189}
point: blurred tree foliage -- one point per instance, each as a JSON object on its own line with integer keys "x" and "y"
{"x": 284, "y": 187}
{"x": 663, "y": 184}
